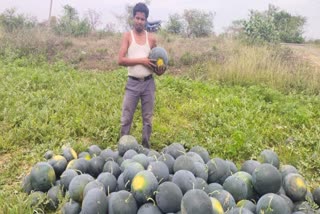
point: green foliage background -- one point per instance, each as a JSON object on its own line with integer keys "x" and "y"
{"x": 274, "y": 25}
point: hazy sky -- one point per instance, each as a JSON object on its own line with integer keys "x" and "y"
{"x": 226, "y": 10}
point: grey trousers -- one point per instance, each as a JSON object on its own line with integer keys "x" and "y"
{"x": 138, "y": 90}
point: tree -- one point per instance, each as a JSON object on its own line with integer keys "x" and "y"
{"x": 175, "y": 24}
{"x": 274, "y": 25}
{"x": 11, "y": 21}
{"x": 235, "y": 29}
{"x": 199, "y": 23}
{"x": 260, "y": 28}
{"x": 93, "y": 18}
{"x": 70, "y": 23}
{"x": 290, "y": 27}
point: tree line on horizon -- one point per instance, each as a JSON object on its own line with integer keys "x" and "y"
{"x": 271, "y": 26}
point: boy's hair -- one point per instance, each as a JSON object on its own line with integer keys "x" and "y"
{"x": 141, "y": 7}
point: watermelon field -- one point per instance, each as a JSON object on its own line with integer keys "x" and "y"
{"x": 52, "y": 106}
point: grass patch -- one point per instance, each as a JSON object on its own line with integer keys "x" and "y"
{"x": 273, "y": 66}
{"x": 44, "y": 107}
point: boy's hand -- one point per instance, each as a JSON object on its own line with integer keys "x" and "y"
{"x": 153, "y": 63}
{"x": 150, "y": 63}
{"x": 159, "y": 70}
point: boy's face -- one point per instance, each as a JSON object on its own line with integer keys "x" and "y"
{"x": 139, "y": 21}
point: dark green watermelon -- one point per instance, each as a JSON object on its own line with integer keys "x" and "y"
{"x": 226, "y": 199}
{"x": 96, "y": 165}
{"x": 202, "y": 152}
{"x": 126, "y": 143}
{"x": 109, "y": 154}
{"x": 59, "y": 164}
{"x": 66, "y": 178}
{"x": 201, "y": 171}
{"x": 53, "y": 196}
{"x": 184, "y": 180}
{"x": 316, "y": 196}
{"x": 196, "y": 201}
{"x": 71, "y": 207}
{"x": 95, "y": 184}
{"x": 159, "y": 54}
{"x": 42, "y": 177}
{"x": 269, "y": 156}
{"x": 69, "y": 153}
{"x": 272, "y": 204}
{"x": 168, "y": 160}
{"x": 143, "y": 186}
{"x": 112, "y": 167}
{"x": 77, "y": 185}
{"x": 168, "y": 197}
{"x": 128, "y": 174}
{"x": 94, "y": 150}
{"x": 287, "y": 169}
{"x": 80, "y": 165}
{"x": 26, "y": 184}
{"x": 266, "y": 179}
{"x": 195, "y": 157}
{"x": 240, "y": 186}
{"x": 109, "y": 181}
{"x": 200, "y": 184}
{"x": 149, "y": 208}
{"x": 175, "y": 150}
{"x": 295, "y": 187}
{"x": 213, "y": 187}
{"x": 184, "y": 162}
{"x": 95, "y": 201}
{"x": 122, "y": 202}
{"x": 249, "y": 205}
{"x": 249, "y": 166}
{"x": 239, "y": 210}
{"x": 142, "y": 159}
{"x": 160, "y": 170}
{"x": 217, "y": 169}
{"x": 129, "y": 154}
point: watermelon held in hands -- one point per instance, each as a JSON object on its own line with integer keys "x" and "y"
{"x": 160, "y": 56}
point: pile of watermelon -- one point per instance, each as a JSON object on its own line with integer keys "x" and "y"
{"x": 134, "y": 179}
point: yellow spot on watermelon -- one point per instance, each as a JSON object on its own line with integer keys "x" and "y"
{"x": 138, "y": 182}
{"x": 216, "y": 205}
{"x": 51, "y": 175}
{"x": 70, "y": 164}
{"x": 73, "y": 153}
{"x": 300, "y": 183}
{"x": 87, "y": 157}
{"x": 160, "y": 62}
{"x": 58, "y": 157}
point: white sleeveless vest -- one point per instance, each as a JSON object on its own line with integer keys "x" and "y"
{"x": 138, "y": 51}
